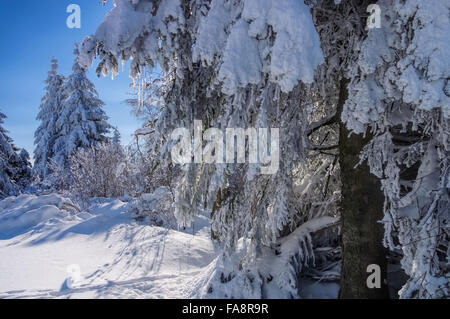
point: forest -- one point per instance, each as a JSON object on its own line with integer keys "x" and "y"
{"x": 288, "y": 149}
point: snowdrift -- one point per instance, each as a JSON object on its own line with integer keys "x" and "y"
{"x": 46, "y": 242}
{"x": 25, "y": 212}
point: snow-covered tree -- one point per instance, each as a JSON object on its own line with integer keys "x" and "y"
{"x": 400, "y": 91}
{"x": 15, "y": 168}
{"x": 24, "y": 175}
{"x": 342, "y": 26}
{"x": 116, "y": 136}
{"x": 81, "y": 121}
{"x": 45, "y": 134}
{"x": 262, "y": 63}
{"x": 227, "y": 64}
{"x": 8, "y": 157}
{"x": 102, "y": 170}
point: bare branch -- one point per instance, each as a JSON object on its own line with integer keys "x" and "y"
{"x": 322, "y": 148}
{"x": 328, "y": 120}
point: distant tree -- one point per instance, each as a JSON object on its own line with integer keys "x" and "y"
{"x": 24, "y": 174}
{"x": 8, "y": 157}
{"x": 116, "y": 136}
{"x": 45, "y": 134}
{"x": 100, "y": 171}
{"x": 82, "y": 122}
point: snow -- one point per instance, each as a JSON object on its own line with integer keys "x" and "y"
{"x": 418, "y": 76}
{"x": 247, "y": 54}
{"x": 51, "y": 249}
{"x": 241, "y": 63}
{"x": 296, "y": 51}
{"x": 237, "y": 32}
{"x": 117, "y": 257}
{"x": 18, "y": 214}
{"x": 294, "y": 252}
{"x": 298, "y": 246}
{"x": 212, "y": 36}
{"x": 128, "y": 25}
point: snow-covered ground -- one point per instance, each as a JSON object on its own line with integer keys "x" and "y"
{"x": 49, "y": 248}
{"x": 46, "y": 240}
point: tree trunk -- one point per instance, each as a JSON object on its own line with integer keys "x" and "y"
{"x": 361, "y": 210}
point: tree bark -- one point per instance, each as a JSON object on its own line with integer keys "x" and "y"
{"x": 361, "y": 210}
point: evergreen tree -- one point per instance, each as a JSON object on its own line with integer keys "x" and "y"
{"x": 82, "y": 122}
{"x": 399, "y": 97}
{"x": 48, "y": 115}
{"x": 342, "y": 27}
{"x": 214, "y": 79}
{"x": 259, "y": 63}
{"x": 24, "y": 169}
{"x": 8, "y": 157}
{"x": 116, "y": 136}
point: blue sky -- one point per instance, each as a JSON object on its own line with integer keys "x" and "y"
{"x": 31, "y": 33}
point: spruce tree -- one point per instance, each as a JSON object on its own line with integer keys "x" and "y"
{"x": 8, "y": 156}
{"x": 82, "y": 122}
{"x": 48, "y": 115}
{"x": 116, "y": 136}
{"x": 23, "y": 174}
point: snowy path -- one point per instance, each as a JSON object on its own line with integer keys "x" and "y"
{"x": 117, "y": 257}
